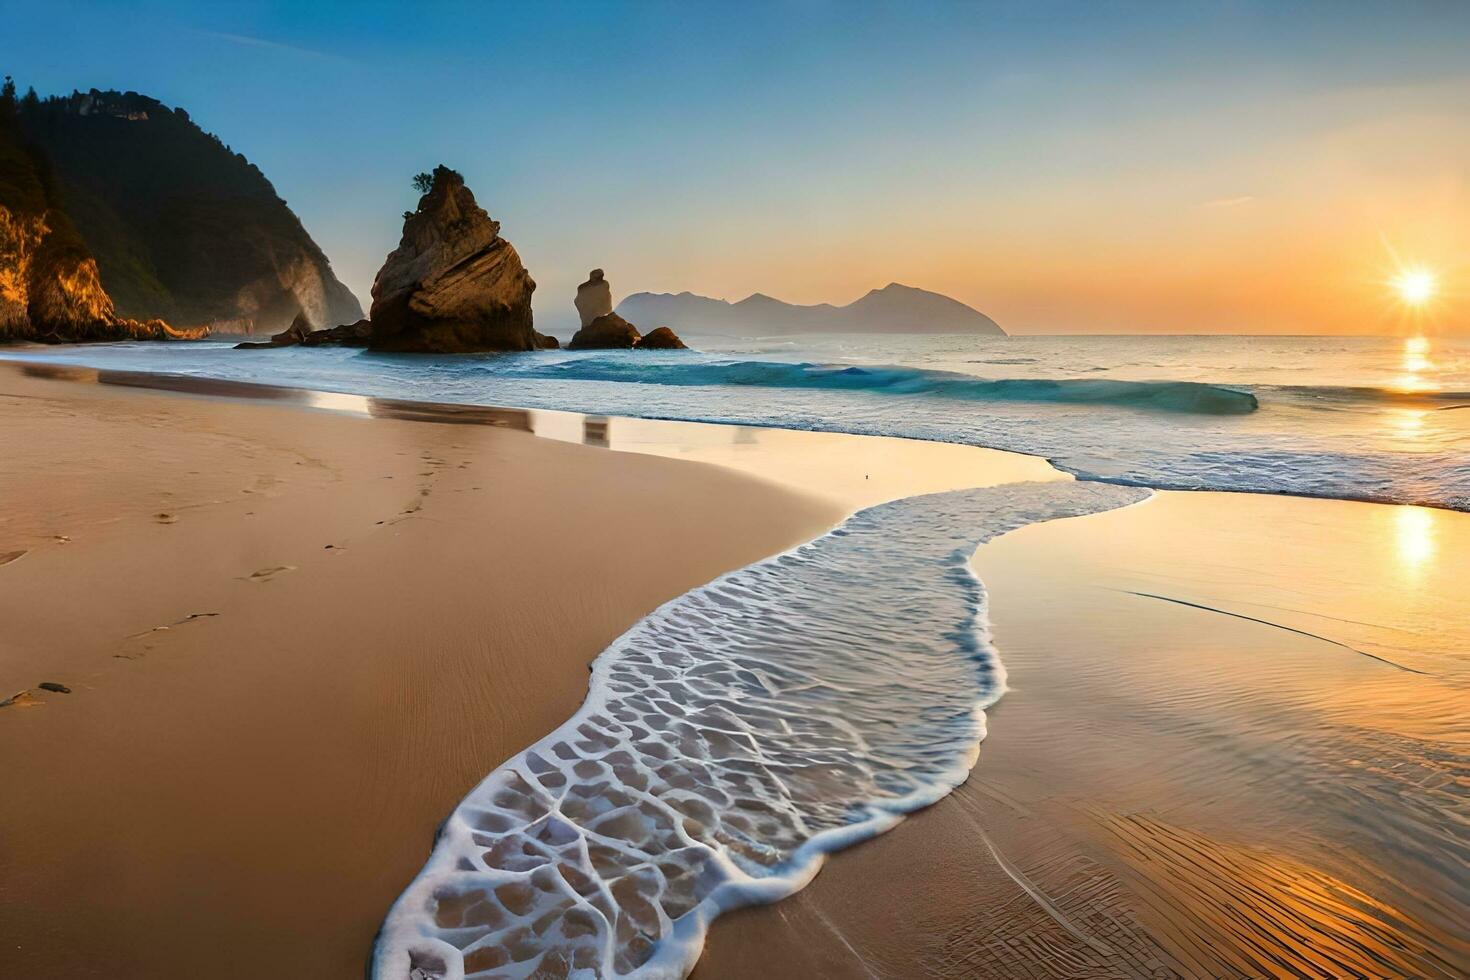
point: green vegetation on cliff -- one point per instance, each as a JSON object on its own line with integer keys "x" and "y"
{"x": 50, "y": 289}
{"x": 181, "y": 226}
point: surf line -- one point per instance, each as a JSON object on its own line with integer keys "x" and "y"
{"x": 1267, "y": 622}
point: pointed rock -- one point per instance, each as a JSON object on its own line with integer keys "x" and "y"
{"x": 453, "y": 284}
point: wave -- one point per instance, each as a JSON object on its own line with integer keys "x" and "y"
{"x": 1168, "y": 396}
{"x": 729, "y": 741}
{"x": 1332, "y": 396}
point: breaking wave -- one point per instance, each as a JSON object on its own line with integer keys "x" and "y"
{"x": 1167, "y": 396}
{"x": 729, "y": 741}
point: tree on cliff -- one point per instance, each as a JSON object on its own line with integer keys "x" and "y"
{"x": 423, "y": 183}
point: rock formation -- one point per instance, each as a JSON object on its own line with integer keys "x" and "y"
{"x": 594, "y": 298}
{"x": 296, "y": 333}
{"x": 607, "y": 332}
{"x": 347, "y": 335}
{"x": 660, "y": 338}
{"x": 602, "y": 329}
{"x": 453, "y": 284}
{"x": 300, "y": 334}
{"x": 181, "y": 227}
{"x": 50, "y": 290}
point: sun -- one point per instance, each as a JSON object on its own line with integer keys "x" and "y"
{"x": 1415, "y": 286}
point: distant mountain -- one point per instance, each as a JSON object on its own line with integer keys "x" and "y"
{"x": 893, "y": 309}
{"x": 181, "y": 227}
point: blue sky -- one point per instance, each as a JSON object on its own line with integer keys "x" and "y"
{"x": 1085, "y": 166}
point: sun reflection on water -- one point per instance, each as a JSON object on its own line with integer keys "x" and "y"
{"x": 1409, "y": 422}
{"x": 1415, "y": 364}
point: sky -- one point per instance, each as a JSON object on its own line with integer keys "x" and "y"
{"x": 1090, "y": 167}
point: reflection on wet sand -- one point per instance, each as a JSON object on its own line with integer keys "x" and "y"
{"x": 505, "y": 418}
{"x": 1216, "y": 785}
{"x": 1274, "y": 802}
{"x": 858, "y": 471}
{"x": 594, "y": 431}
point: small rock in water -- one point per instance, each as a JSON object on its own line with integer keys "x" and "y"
{"x": 607, "y": 332}
{"x": 54, "y": 687}
{"x": 296, "y": 333}
{"x": 660, "y": 338}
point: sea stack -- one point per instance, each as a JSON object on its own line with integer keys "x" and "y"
{"x": 594, "y": 298}
{"x": 453, "y": 285}
{"x": 602, "y": 329}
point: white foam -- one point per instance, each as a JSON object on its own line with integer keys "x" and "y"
{"x": 729, "y": 742}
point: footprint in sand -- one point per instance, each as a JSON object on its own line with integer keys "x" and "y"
{"x": 163, "y": 517}
{"x": 6, "y": 557}
{"x": 266, "y": 574}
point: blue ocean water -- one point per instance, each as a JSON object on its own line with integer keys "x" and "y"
{"x": 1367, "y": 418}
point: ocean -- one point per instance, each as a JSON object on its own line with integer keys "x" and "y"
{"x": 1363, "y": 418}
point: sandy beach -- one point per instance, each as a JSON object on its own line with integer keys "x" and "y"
{"x": 293, "y": 641}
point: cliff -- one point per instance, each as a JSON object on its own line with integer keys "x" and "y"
{"x": 180, "y": 226}
{"x": 895, "y": 308}
{"x": 50, "y": 289}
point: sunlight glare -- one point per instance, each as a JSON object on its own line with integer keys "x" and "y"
{"x": 1415, "y": 286}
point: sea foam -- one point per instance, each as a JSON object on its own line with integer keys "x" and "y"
{"x": 729, "y": 741}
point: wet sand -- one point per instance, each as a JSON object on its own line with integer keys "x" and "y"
{"x": 293, "y": 641}
{"x": 1235, "y": 745}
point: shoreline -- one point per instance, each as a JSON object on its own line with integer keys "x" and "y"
{"x": 323, "y": 399}
{"x": 1169, "y": 788}
{"x": 836, "y": 934}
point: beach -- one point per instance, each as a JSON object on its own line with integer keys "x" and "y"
{"x": 1240, "y": 754}
{"x": 295, "y": 638}
{"x": 293, "y": 641}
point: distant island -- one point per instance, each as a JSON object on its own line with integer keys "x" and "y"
{"x": 895, "y": 308}
{"x": 181, "y": 227}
